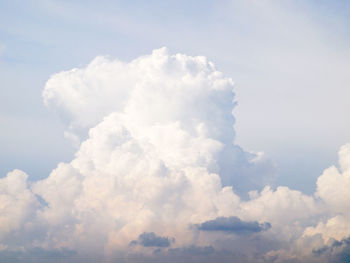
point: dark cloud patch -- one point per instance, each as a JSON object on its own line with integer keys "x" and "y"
{"x": 233, "y": 225}
{"x": 150, "y": 239}
{"x": 337, "y": 251}
{"x": 334, "y": 244}
{"x": 319, "y": 251}
{"x": 337, "y": 243}
{"x": 342, "y": 254}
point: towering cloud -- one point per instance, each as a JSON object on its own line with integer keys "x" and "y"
{"x": 156, "y": 163}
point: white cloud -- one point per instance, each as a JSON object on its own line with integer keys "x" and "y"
{"x": 160, "y": 158}
{"x": 152, "y": 157}
{"x": 334, "y": 184}
{"x": 17, "y": 203}
{"x": 333, "y": 188}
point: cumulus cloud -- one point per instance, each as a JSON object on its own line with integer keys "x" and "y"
{"x": 337, "y": 178}
{"x": 233, "y": 225}
{"x": 181, "y": 105}
{"x": 156, "y": 156}
{"x": 333, "y": 188}
{"x": 17, "y": 203}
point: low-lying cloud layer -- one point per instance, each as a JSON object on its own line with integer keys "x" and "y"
{"x": 156, "y": 163}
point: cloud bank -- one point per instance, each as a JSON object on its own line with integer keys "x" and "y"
{"x": 156, "y": 157}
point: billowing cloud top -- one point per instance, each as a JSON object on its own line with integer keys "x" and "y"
{"x": 156, "y": 163}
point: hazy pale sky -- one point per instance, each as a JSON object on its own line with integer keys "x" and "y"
{"x": 110, "y": 106}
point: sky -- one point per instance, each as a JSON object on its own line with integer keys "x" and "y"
{"x": 174, "y": 130}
